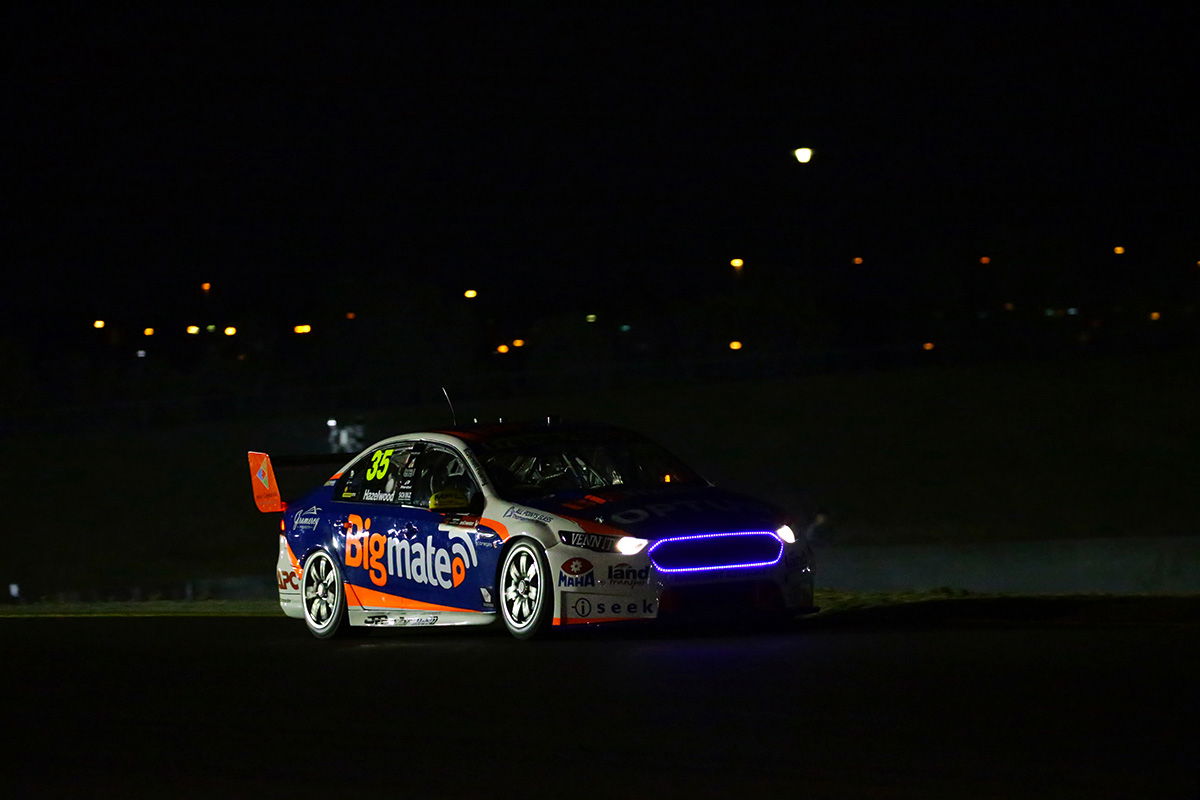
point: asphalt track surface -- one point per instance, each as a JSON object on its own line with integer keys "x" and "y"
{"x": 1001, "y": 703}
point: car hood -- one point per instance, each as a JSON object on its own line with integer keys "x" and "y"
{"x": 658, "y": 513}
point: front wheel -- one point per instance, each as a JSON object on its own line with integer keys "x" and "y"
{"x": 324, "y": 597}
{"x": 525, "y": 600}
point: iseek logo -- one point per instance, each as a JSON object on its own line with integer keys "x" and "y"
{"x": 585, "y": 607}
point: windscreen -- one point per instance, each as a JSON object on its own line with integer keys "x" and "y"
{"x": 541, "y": 464}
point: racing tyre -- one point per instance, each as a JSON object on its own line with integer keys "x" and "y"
{"x": 324, "y": 597}
{"x": 526, "y": 603}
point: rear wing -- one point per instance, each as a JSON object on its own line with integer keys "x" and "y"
{"x": 262, "y": 481}
{"x": 262, "y": 475}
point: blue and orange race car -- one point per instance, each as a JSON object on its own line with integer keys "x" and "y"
{"x": 541, "y": 525}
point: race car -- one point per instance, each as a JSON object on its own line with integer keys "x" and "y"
{"x": 541, "y": 525}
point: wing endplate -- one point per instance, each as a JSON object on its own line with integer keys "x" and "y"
{"x": 262, "y": 481}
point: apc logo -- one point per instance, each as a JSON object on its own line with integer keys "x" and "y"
{"x": 576, "y": 572}
{"x": 288, "y": 581}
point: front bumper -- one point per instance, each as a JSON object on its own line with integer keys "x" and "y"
{"x": 612, "y": 588}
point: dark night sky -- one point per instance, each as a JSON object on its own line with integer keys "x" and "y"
{"x": 153, "y": 148}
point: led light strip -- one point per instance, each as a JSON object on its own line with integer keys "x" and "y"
{"x": 660, "y": 542}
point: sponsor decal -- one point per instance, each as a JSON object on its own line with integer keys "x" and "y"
{"x": 627, "y": 575}
{"x": 525, "y": 513}
{"x": 262, "y": 477}
{"x": 373, "y": 494}
{"x": 485, "y": 595}
{"x": 598, "y": 542}
{"x": 306, "y": 519}
{"x": 576, "y": 572}
{"x": 426, "y": 619}
{"x": 632, "y": 516}
{"x": 288, "y": 582}
{"x": 585, "y": 607}
{"x": 411, "y": 560}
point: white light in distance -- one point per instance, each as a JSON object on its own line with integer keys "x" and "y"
{"x": 787, "y": 534}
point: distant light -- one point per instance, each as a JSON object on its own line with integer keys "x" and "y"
{"x": 1009, "y": 306}
{"x": 98, "y": 323}
{"x": 204, "y": 287}
{"x": 1119, "y": 250}
{"x": 625, "y": 328}
{"x": 502, "y": 349}
{"x": 1155, "y": 316}
{"x": 518, "y": 342}
{"x": 984, "y": 260}
{"x": 667, "y": 478}
{"x": 470, "y": 293}
{"x": 302, "y": 329}
{"x": 590, "y": 318}
{"x": 351, "y": 315}
{"x": 787, "y": 534}
{"x": 141, "y": 354}
{"x": 1074, "y": 312}
{"x": 148, "y": 332}
{"x": 193, "y": 329}
{"x": 927, "y": 346}
{"x": 230, "y": 331}
{"x": 332, "y": 423}
{"x": 210, "y": 328}
{"x": 735, "y": 345}
{"x": 858, "y": 259}
{"x": 737, "y": 263}
{"x": 803, "y": 154}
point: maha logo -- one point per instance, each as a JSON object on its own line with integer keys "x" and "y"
{"x": 576, "y": 572}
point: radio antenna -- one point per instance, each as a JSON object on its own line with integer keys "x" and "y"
{"x": 453, "y": 418}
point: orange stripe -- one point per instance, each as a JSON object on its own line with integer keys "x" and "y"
{"x": 498, "y": 526}
{"x": 371, "y": 598}
{"x": 335, "y": 476}
{"x": 292, "y": 557}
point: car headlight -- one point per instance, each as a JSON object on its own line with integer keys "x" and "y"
{"x": 786, "y": 534}
{"x": 628, "y": 545}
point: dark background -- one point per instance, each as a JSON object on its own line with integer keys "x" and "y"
{"x": 609, "y": 158}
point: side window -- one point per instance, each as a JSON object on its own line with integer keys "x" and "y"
{"x": 443, "y": 473}
{"x": 384, "y": 475}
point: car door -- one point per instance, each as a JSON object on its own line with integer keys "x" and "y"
{"x": 400, "y": 554}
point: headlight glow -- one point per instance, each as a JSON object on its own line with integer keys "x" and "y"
{"x": 628, "y": 545}
{"x": 786, "y": 534}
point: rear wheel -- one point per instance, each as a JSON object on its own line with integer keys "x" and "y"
{"x": 324, "y": 597}
{"x": 525, "y": 600}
